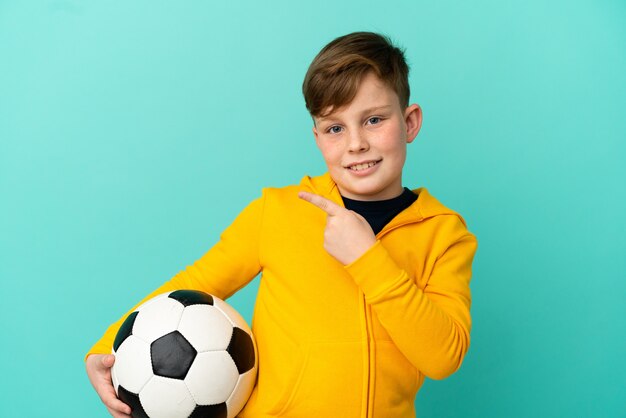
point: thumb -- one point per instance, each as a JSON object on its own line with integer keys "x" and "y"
{"x": 108, "y": 360}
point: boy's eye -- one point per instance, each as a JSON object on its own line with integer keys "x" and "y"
{"x": 334, "y": 129}
{"x": 373, "y": 120}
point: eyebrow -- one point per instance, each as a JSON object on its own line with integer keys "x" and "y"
{"x": 364, "y": 112}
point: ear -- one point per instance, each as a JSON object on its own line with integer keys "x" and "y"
{"x": 316, "y": 135}
{"x": 413, "y": 121}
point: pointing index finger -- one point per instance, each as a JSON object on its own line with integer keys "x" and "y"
{"x": 331, "y": 208}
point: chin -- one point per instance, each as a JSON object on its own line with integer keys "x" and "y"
{"x": 363, "y": 193}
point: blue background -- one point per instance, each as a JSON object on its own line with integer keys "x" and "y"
{"x": 132, "y": 133}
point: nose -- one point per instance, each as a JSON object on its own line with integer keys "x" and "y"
{"x": 358, "y": 142}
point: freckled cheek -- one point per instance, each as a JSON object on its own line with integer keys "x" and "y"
{"x": 332, "y": 155}
{"x": 396, "y": 156}
{"x": 389, "y": 140}
{"x": 392, "y": 147}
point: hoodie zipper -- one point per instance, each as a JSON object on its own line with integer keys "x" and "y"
{"x": 370, "y": 360}
{"x": 367, "y": 356}
{"x": 370, "y": 349}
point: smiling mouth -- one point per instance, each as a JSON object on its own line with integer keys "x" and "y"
{"x": 362, "y": 166}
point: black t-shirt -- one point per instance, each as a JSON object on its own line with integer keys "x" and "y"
{"x": 378, "y": 213}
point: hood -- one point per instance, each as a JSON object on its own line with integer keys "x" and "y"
{"x": 426, "y": 205}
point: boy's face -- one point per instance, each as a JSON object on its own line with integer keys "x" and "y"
{"x": 364, "y": 142}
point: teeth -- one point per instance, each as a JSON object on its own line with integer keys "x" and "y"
{"x": 359, "y": 167}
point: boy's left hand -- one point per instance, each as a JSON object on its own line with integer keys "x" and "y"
{"x": 347, "y": 235}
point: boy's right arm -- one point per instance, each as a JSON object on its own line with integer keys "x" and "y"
{"x": 228, "y": 266}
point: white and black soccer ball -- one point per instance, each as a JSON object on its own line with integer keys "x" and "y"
{"x": 184, "y": 354}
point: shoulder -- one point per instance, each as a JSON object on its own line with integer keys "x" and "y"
{"x": 322, "y": 185}
{"x": 448, "y": 221}
{"x": 281, "y": 194}
{"x": 282, "y": 200}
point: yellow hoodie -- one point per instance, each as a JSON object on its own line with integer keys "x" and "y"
{"x": 334, "y": 340}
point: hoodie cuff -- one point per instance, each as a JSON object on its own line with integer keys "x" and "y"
{"x": 375, "y": 272}
{"x": 105, "y": 344}
{"x": 98, "y": 348}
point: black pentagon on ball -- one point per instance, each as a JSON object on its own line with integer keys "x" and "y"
{"x": 210, "y": 411}
{"x": 191, "y": 297}
{"x": 241, "y": 349}
{"x": 172, "y": 355}
{"x": 125, "y": 330}
{"x": 132, "y": 400}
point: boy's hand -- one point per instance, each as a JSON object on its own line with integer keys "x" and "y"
{"x": 99, "y": 372}
{"x": 348, "y": 235}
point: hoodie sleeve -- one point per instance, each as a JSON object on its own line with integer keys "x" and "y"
{"x": 430, "y": 326}
{"x": 228, "y": 266}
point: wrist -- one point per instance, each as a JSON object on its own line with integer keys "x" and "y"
{"x": 362, "y": 249}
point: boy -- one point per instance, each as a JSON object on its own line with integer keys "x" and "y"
{"x": 365, "y": 283}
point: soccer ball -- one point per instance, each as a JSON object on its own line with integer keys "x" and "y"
{"x": 184, "y": 354}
